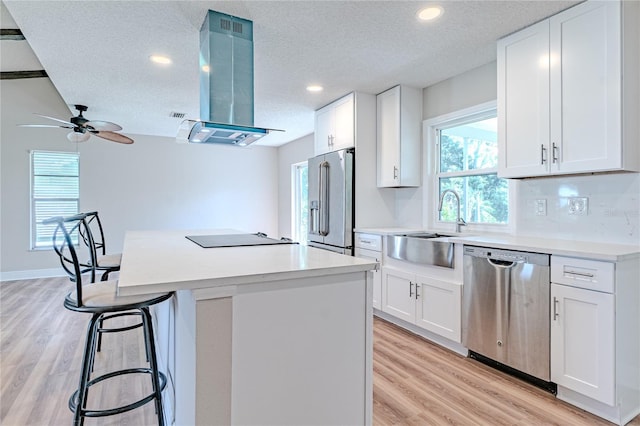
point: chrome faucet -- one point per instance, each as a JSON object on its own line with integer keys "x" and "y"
{"x": 459, "y": 221}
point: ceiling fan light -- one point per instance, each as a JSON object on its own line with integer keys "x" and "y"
{"x": 78, "y": 137}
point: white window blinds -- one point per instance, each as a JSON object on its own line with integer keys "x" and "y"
{"x": 55, "y": 191}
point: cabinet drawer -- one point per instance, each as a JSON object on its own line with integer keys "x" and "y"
{"x": 582, "y": 273}
{"x": 369, "y": 241}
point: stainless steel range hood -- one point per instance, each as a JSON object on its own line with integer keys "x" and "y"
{"x": 226, "y": 84}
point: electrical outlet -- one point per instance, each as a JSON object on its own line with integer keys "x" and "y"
{"x": 541, "y": 207}
{"x": 578, "y": 206}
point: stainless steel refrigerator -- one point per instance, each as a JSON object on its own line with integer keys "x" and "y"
{"x": 330, "y": 192}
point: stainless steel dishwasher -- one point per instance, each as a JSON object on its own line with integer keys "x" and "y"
{"x": 506, "y": 311}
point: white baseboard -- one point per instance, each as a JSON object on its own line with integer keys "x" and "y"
{"x": 31, "y": 274}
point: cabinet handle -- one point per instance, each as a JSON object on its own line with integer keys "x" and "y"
{"x": 395, "y": 172}
{"x": 410, "y": 289}
{"x": 555, "y": 308}
{"x": 542, "y": 156}
{"x": 417, "y": 295}
{"x": 580, "y": 274}
{"x": 555, "y": 153}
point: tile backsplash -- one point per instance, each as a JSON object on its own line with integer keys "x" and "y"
{"x": 611, "y": 209}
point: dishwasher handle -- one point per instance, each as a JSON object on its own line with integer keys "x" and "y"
{"x": 504, "y": 264}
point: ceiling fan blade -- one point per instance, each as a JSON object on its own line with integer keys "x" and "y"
{"x": 54, "y": 119}
{"x": 102, "y": 125}
{"x": 44, "y": 125}
{"x": 112, "y": 136}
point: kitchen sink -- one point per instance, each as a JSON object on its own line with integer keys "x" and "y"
{"x": 421, "y": 248}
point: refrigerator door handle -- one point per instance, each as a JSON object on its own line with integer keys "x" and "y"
{"x": 313, "y": 217}
{"x": 324, "y": 198}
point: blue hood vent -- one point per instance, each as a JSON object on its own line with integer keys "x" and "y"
{"x": 226, "y": 84}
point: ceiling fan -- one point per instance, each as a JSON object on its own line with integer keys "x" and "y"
{"x": 83, "y": 128}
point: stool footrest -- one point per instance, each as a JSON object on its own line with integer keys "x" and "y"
{"x": 73, "y": 400}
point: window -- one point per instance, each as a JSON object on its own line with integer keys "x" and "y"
{"x": 300, "y": 203}
{"x": 467, "y": 162}
{"x": 55, "y": 191}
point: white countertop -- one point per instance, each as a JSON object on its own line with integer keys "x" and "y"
{"x": 387, "y": 231}
{"x": 583, "y": 249}
{"x": 159, "y": 261}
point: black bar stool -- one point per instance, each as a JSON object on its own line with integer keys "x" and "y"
{"x": 105, "y": 263}
{"x": 100, "y": 299}
{"x": 93, "y": 238}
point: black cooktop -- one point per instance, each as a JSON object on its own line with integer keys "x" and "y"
{"x": 235, "y": 240}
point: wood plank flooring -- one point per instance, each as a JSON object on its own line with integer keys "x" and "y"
{"x": 415, "y": 382}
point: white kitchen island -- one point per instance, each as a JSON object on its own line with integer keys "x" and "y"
{"x": 275, "y": 334}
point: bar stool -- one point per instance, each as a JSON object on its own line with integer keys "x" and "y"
{"x": 100, "y": 299}
{"x": 104, "y": 262}
{"x": 93, "y": 238}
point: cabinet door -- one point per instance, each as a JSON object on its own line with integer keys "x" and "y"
{"x": 398, "y": 294}
{"x": 582, "y": 341}
{"x": 586, "y": 88}
{"x": 323, "y": 130}
{"x": 388, "y": 124}
{"x": 344, "y": 111}
{"x": 523, "y": 102}
{"x": 439, "y": 307}
{"x": 377, "y": 275}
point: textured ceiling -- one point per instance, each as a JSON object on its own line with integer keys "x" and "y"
{"x": 97, "y": 52}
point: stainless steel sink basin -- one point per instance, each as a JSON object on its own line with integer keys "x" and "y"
{"x": 421, "y": 248}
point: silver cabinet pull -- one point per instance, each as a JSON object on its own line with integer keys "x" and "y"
{"x": 410, "y": 289}
{"x": 395, "y": 172}
{"x": 543, "y": 159}
{"x": 580, "y": 274}
{"x": 417, "y": 295}
{"x": 555, "y": 308}
{"x": 555, "y": 153}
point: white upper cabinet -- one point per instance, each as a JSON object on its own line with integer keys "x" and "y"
{"x": 399, "y": 117}
{"x": 334, "y": 127}
{"x": 562, "y": 99}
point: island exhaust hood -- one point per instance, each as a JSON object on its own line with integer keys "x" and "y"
{"x": 226, "y": 84}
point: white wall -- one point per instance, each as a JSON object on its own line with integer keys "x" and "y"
{"x": 471, "y": 88}
{"x": 155, "y": 183}
{"x": 288, "y": 154}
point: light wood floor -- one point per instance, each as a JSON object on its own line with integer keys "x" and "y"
{"x": 415, "y": 382}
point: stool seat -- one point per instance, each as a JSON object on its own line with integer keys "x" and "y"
{"x": 101, "y": 297}
{"x": 109, "y": 261}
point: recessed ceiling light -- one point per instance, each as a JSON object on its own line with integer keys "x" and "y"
{"x": 430, "y": 13}
{"x": 314, "y": 88}
{"x": 159, "y": 59}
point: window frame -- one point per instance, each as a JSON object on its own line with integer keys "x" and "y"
{"x": 431, "y": 131}
{"x": 296, "y": 188}
{"x": 33, "y": 234}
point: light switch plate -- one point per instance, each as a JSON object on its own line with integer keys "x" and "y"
{"x": 578, "y": 206}
{"x": 541, "y": 207}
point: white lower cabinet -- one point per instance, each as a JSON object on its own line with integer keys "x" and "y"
{"x": 369, "y": 246}
{"x": 398, "y": 296}
{"x": 427, "y": 302}
{"x": 582, "y": 341}
{"x": 595, "y": 335}
{"x": 377, "y": 275}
